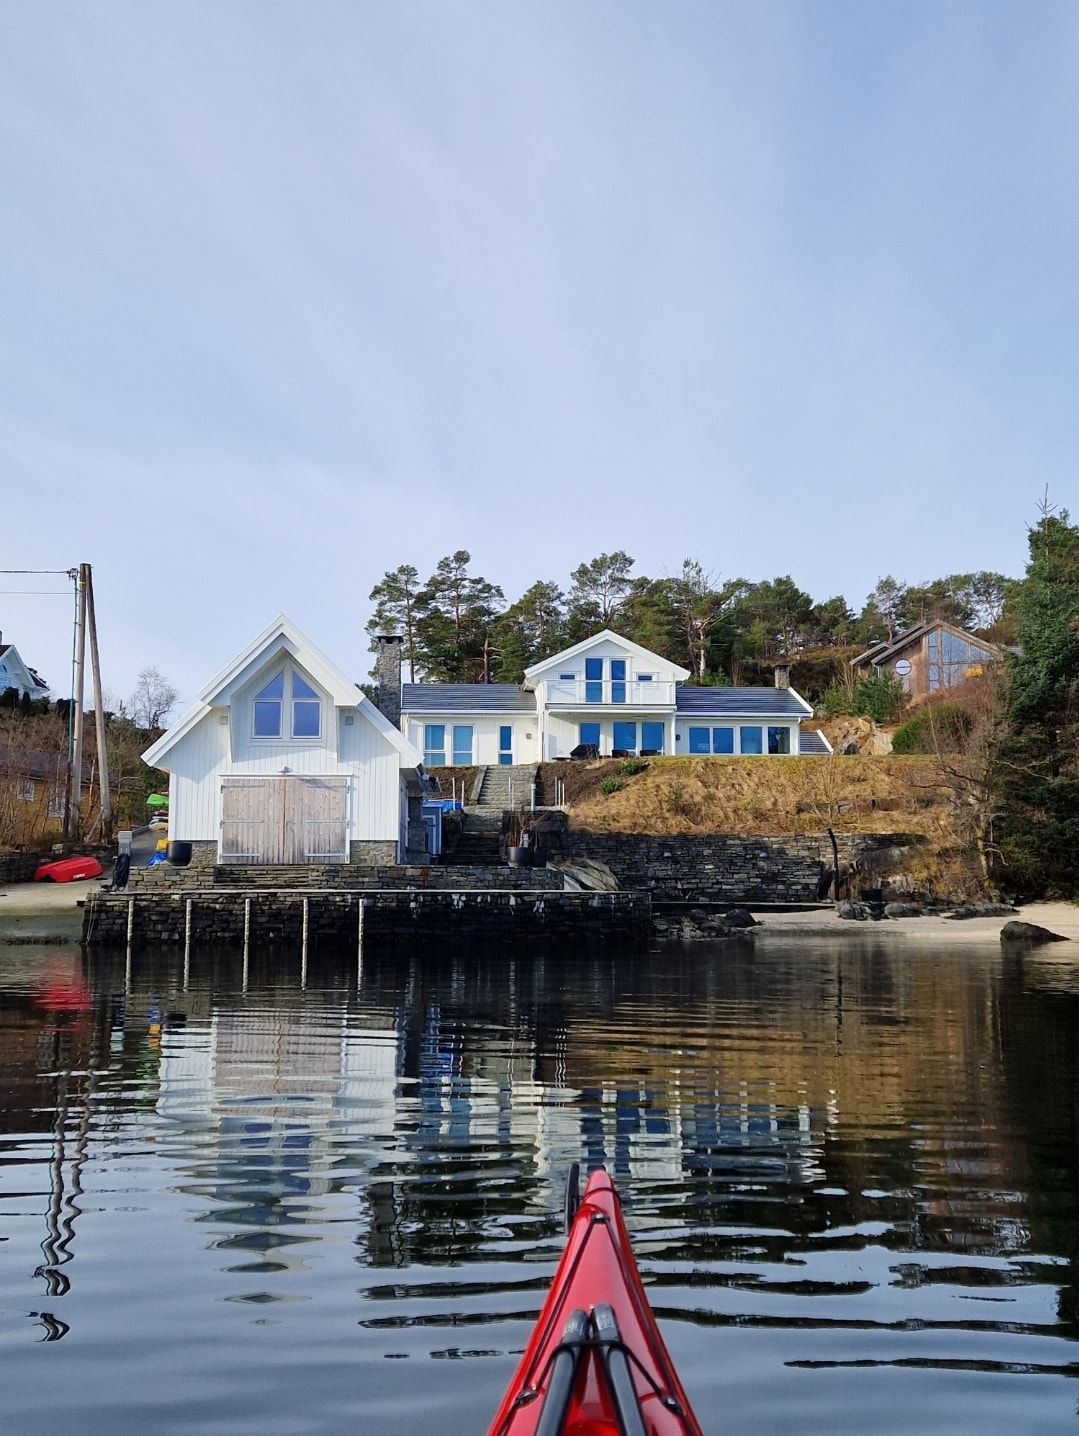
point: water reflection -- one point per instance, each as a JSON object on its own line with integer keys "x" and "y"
{"x": 840, "y": 1163}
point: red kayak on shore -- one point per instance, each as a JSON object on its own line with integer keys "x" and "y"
{"x": 595, "y": 1364}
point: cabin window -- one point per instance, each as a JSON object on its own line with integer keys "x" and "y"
{"x": 779, "y": 739}
{"x": 625, "y": 737}
{"x": 722, "y": 740}
{"x": 644, "y": 677}
{"x": 593, "y": 680}
{"x": 434, "y": 745}
{"x": 618, "y": 681}
{"x": 462, "y": 745}
{"x": 588, "y": 733}
{"x": 698, "y": 740}
{"x": 505, "y": 744}
{"x": 306, "y": 709}
{"x": 751, "y": 739}
{"x": 268, "y": 704}
{"x": 652, "y": 737}
{"x": 24, "y": 790}
{"x": 566, "y": 677}
{"x": 56, "y": 805}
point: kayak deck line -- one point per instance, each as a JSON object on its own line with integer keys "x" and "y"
{"x": 595, "y": 1364}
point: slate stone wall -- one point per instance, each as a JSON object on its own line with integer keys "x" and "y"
{"x": 435, "y": 918}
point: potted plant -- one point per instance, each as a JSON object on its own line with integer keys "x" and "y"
{"x": 518, "y": 852}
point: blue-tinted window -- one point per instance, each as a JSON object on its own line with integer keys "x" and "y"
{"x": 618, "y": 682}
{"x": 652, "y": 737}
{"x": 779, "y": 740}
{"x": 306, "y": 709}
{"x": 505, "y": 744}
{"x": 268, "y": 704}
{"x": 625, "y": 736}
{"x": 566, "y": 677}
{"x": 593, "y": 687}
{"x": 434, "y": 745}
{"x": 644, "y": 677}
{"x": 462, "y": 745}
{"x": 698, "y": 740}
{"x": 722, "y": 740}
{"x": 751, "y": 739}
{"x": 588, "y": 733}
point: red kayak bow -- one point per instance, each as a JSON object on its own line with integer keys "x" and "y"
{"x": 596, "y": 1364}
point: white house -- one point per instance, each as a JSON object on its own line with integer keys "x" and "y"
{"x": 283, "y": 760}
{"x": 14, "y": 673}
{"x": 605, "y": 694}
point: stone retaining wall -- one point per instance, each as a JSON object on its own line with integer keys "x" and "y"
{"x": 736, "y": 870}
{"x": 433, "y": 917}
{"x": 342, "y": 877}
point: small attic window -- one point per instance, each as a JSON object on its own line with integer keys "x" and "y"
{"x": 268, "y": 704}
{"x": 306, "y": 709}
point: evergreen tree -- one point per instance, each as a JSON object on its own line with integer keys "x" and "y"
{"x": 395, "y": 610}
{"x": 1038, "y": 829}
{"x": 455, "y": 615}
{"x": 599, "y": 588}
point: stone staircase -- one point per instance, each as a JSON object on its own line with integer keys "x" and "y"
{"x": 508, "y": 787}
{"x": 500, "y": 788}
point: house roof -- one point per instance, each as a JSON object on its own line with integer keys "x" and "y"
{"x": 813, "y": 742}
{"x": 759, "y": 702}
{"x": 33, "y": 680}
{"x": 466, "y": 698}
{"x": 880, "y": 653}
{"x": 40, "y": 765}
{"x": 280, "y": 637}
{"x": 607, "y": 635}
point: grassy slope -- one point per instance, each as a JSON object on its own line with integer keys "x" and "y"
{"x": 770, "y": 796}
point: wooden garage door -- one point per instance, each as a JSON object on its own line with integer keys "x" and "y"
{"x": 284, "y": 820}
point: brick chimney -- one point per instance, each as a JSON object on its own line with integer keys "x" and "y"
{"x": 783, "y": 675}
{"x": 388, "y": 648}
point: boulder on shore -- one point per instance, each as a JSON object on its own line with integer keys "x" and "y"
{"x": 1028, "y": 932}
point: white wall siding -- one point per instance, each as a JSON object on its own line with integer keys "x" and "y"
{"x": 357, "y": 750}
{"x": 485, "y": 738}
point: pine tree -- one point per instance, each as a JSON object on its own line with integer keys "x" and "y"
{"x": 1038, "y": 830}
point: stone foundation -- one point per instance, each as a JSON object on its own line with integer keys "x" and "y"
{"x": 369, "y": 853}
{"x": 434, "y": 918}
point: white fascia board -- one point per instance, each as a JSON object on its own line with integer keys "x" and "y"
{"x": 169, "y": 739}
{"x": 607, "y": 636}
{"x": 410, "y": 756}
{"x": 282, "y": 636}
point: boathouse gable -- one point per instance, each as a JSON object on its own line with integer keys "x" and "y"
{"x": 284, "y": 760}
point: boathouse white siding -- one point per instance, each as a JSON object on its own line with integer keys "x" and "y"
{"x": 343, "y": 738}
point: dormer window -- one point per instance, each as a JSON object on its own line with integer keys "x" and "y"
{"x": 269, "y": 708}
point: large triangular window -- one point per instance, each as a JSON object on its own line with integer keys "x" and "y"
{"x": 304, "y": 704}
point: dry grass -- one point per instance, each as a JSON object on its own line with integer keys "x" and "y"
{"x": 766, "y": 796}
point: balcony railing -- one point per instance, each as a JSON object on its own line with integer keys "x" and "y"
{"x": 589, "y": 693}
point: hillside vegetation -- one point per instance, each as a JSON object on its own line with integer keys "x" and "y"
{"x": 774, "y": 797}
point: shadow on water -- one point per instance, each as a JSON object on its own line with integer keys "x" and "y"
{"x": 836, "y": 1160}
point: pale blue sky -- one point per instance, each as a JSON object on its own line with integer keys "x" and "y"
{"x": 293, "y": 293}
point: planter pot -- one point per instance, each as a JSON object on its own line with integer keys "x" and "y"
{"x": 518, "y": 857}
{"x": 178, "y": 854}
{"x": 539, "y": 858}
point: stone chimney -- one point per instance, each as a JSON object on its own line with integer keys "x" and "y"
{"x": 388, "y": 648}
{"x": 783, "y": 675}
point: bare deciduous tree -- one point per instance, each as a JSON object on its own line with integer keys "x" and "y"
{"x": 153, "y": 700}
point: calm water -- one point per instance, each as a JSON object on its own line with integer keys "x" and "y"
{"x": 270, "y": 1206}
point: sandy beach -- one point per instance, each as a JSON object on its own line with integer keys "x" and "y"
{"x": 1058, "y": 917}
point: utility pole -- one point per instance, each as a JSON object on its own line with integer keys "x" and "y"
{"x": 99, "y": 711}
{"x": 75, "y": 793}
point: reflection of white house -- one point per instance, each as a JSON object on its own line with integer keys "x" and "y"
{"x": 284, "y": 760}
{"x": 605, "y": 693}
{"x": 14, "y": 673}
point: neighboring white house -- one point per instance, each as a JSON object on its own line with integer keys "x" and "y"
{"x": 283, "y": 760}
{"x": 14, "y": 673}
{"x": 607, "y": 694}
